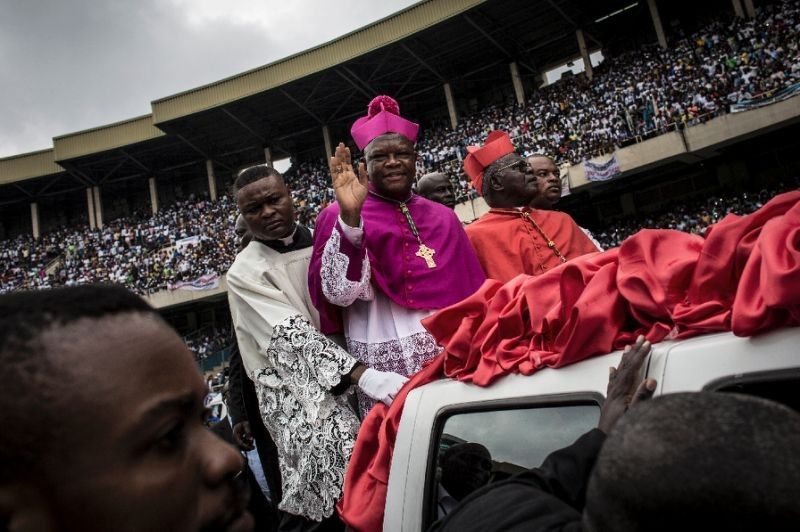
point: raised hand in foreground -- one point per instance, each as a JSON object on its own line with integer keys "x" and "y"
{"x": 350, "y": 190}
{"x": 625, "y": 385}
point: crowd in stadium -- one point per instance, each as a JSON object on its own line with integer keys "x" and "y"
{"x": 205, "y": 343}
{"x": 692, "y": 217}
{"x": 142, "y": 252}
{"x": 640, "y": 93}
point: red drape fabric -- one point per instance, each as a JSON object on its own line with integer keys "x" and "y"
{"x": 744, "y": 276}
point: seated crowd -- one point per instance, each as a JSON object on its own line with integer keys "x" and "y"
{"x": 138, "y": 252}
{"x": 205, "y": 343}
{"x": 693, "y": 217}
{"x": 639, "y": 93}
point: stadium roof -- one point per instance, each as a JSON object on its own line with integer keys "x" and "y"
{"x": 283, "y": 105}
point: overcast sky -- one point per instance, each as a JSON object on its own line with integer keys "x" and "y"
{"x": 68, "y": 65}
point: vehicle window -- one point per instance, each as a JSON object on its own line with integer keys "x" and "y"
{"x": 480, "y": 447}
{"x": 780, "y": 387}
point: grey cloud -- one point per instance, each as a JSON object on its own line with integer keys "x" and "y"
{"x": 75, "y": 64}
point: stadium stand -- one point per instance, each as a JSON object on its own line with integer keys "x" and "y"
{"x": 142, "y": 253}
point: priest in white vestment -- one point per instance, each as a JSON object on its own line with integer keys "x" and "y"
{"x": 299, "y": 374}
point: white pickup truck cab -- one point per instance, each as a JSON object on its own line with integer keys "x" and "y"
{"x": 522, "y": 419}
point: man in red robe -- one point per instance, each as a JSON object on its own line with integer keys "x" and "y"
{"x": 513, "y": 238}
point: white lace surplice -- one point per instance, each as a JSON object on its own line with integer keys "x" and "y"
{"x": 293, "y": 366}
{"x": 380, "y": 333}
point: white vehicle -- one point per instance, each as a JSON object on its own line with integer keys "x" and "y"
{"x": 522, "y": 419}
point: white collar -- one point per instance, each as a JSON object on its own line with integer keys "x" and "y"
{"x": 289, "y": 240}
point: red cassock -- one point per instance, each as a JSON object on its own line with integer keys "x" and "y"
{"x": 743, "y": 277}
{"x": 510, "y": 241}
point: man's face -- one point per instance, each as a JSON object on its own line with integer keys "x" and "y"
{"x": 438, "y": 188}
{"x": 243, "y": 235}
{"x": 391, "y": 165}
{"x": 548, "y": 179}
{"x": 267, "y": 208}
{"x": 139, "y": 457}
{"x": 517, "y": 179}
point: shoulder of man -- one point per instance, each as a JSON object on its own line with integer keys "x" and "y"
{"x": 246, "y": 266}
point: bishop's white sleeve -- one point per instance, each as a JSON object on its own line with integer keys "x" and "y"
{"x": 345, "y": 266}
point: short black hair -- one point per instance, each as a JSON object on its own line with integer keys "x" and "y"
{"x": 702, "y": 461}
{"x": 34, "y": 386}
{"x": 253, "y": 174}
{"x": 540, "y": 155}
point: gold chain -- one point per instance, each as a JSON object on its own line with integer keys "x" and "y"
{"x": 550, "y": 243}
{"x": 424, "y": 252}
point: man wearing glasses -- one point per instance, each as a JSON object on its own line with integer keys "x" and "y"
{"x": 513, "y": 238}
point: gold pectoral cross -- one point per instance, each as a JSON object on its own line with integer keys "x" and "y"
{"x": 424, "y": 252}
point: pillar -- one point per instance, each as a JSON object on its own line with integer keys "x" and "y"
{"x": 90, "y": 208}
{"x": 737, "y": 8}
{"x": 35, "y": 219}
{"x": 153, "y": 195}
{"x": 98, "y": 207}
{"x": 326, "y": 138}
{"x": 587, "y": 62}
{"x": 749, "y": 8}
{"x": 516, "y": 80}
{"x": 212, "y": 180}
{"x": 451, "y": 105}
{"x": 268, "y": 156}
{"x": 662, "y": 40}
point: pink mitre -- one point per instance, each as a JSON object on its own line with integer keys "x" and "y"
{"x": 383, "y": 116}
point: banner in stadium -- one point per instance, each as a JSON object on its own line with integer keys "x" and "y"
{"x": 755, "y": 103}
{"x": 602, "y": 171}
{"x": 205, "y": 282}
{"x": 188, "y": 241}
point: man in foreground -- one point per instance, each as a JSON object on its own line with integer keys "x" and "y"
{"x": 687, "y": 461}
{"x": 104, "y": 411}
{"x": 249, "y": 432}
{"x": 512, "y": 238}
